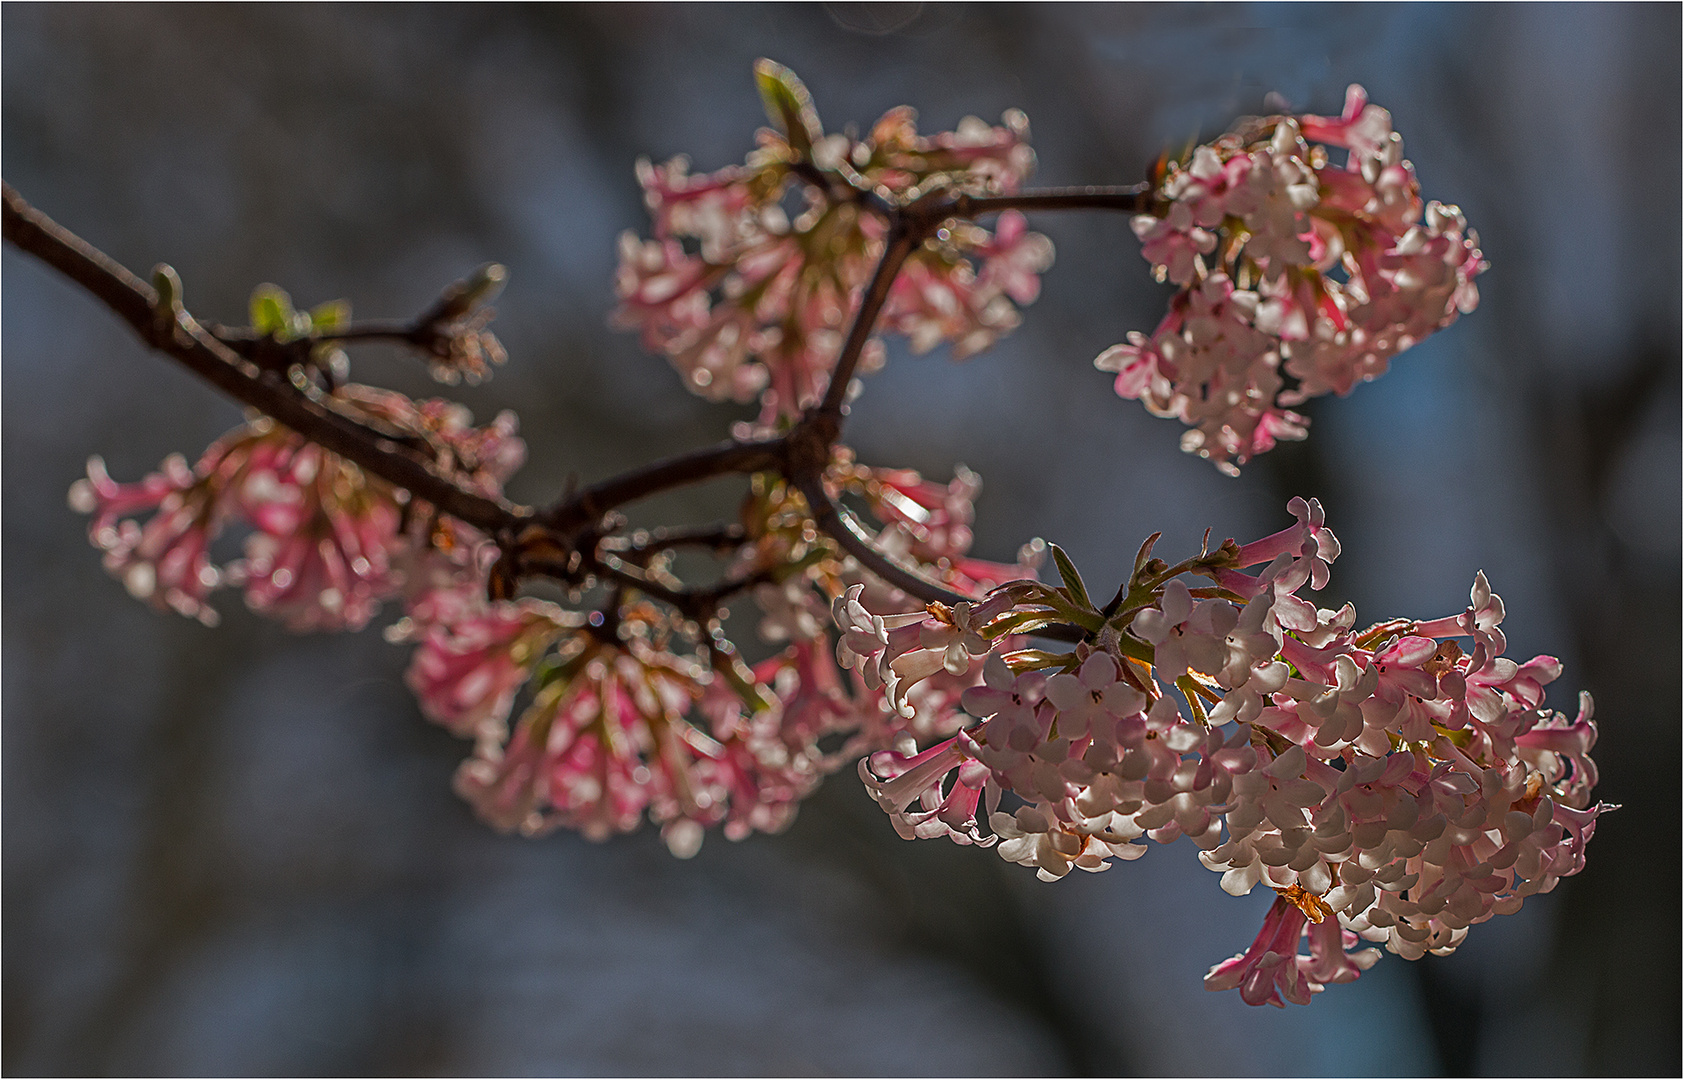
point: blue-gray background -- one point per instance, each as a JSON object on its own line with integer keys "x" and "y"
{"x": 236, "y": 850}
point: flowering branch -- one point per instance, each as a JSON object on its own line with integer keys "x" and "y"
{"x": 211, "y": 356}
{"x": 1389, "y": 784}
{"x": 163, "y": 323}
{"x": 180, "y": 336}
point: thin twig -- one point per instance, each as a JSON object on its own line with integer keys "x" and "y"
{"x": 901, "y": 244}
{"x": 394, "y": 330}
{"x": 135, "y": 302}
{"x": 588, "y": 504}
{"x": 835, "y": 522}
{"x": 1133, "y": 199}
{"x": 183, "y": 339}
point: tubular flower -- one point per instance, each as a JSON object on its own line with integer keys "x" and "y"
{"x": 937, "y": 517}
{"x": 166, "y": 562}
{"x": 472, "y": 659}
{"x": 1391, "y": 785}
{"x": 327, "y": 540}
{"x": 1290, "y": 265}
{"x": 1273, "y": 968}
{"x": 321, "y": 556}
{"x": 747, "y": 300}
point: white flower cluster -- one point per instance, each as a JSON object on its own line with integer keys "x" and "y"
{"x": 1386, "y": 780}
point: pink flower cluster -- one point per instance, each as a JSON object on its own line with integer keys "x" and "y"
{"x": 1291, "y": 266}
{"x": 747, "y": 302}
{"x": 607, "y": 739}
{"x": 1391, "y": 785}
{"x": 619, "y": 726}
{"x": 326, "y": 542}
{"x": 632, "y": 721}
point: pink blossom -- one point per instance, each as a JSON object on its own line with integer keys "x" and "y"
{"x": 759, "y": 305}
{"x": 1173, "y": 244}
{"x": 1270, "y": 218}
{"x": 166, "y": 562}
{"x": 1273, "y": 968}
{"x": 898, "y": 651}
{"x": 328, "y": 542}
{"x": 620, "y": 730}
{"x": 1363, "y": 128}
{"x": 1209, "y": 366}
{"x": 900, "y": 781}
{"x": 937, "y": 516}
{"x": 816, "y": 700}
{"x": 321, "y": 556}
{"x": 1310, "y": 544}
{"x": 1030, "y": 838}
{"x": 1187, "y": 635}
{"x": 935, "y": 300}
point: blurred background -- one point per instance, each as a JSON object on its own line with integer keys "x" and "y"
{"x": 236, "y": 851}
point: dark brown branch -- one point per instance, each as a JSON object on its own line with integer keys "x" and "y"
{"x": 587, "y": 505}
{"x": 628, "y": 576}
{"x": 901, "y": 244}
{"x": 108, "y": 280}
{"x": 176, "y": 334}
{"x": 838, "y": 524}
{"x": 394, "y": 330}
{"x": 842, "y": 188}
{"x": 910, "y": 225}
{"x": 721, "y": 537}
{"x": 431, "y": 331}
{"x": 700, "y": 603}
{"x": 1133, "y": 199}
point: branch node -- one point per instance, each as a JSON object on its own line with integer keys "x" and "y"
{"x": 168, "y": 309}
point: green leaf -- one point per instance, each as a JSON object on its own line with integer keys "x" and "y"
{"x": 1038, "y": 660}
{"x": 1022, "y": 622}
{"x": 331, "y": 315}
{"x": 788, "y": 104}
{"x": 271, "y": 311}
{"x": 1144, "y": 554}
{"x": 1072, "y": 578}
